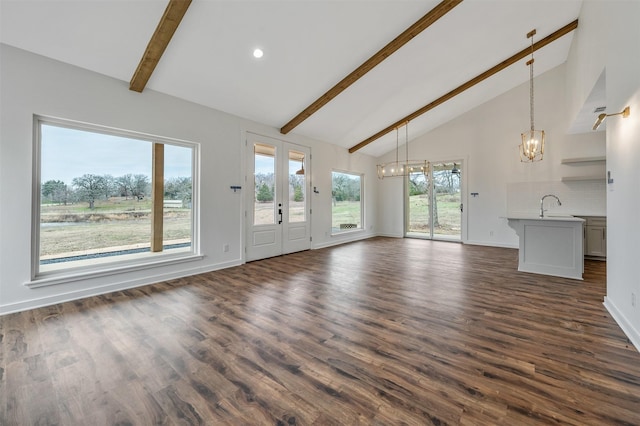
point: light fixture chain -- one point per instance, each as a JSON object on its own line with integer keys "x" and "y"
{"x": 406, "y": 136}
{"x": 397, "y": 144}
{"x": 532, "y": 141}
{"x": 531, "y": 103}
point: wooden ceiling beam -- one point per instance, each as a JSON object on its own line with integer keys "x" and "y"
{"x": 422, "y": 24}
{"x": 167, "y": 26}
{"x": 497, "y": 68}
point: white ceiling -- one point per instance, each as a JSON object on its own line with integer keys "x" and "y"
{"x": 309, "y": 46}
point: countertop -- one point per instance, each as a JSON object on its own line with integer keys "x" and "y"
{"x": 563, "y": 218}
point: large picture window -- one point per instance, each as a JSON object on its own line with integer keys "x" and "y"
{"x": 110, "y": 196}
{"x": 346, "y": 194}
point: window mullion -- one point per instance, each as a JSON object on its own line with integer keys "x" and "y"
{"x": 157, "y": 198}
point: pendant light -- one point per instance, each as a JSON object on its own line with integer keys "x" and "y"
{"x": 532, "y": 145}
{"x": 301, "y": 171}
{"x": 398, "y": 168}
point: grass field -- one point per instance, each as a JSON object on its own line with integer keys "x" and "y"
{"x": 119, "y": 222}
{"x": 448, "y": 214}
{"x": 113, "y": 223}
{"x": 346, "y": 212}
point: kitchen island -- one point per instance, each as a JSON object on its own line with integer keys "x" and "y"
{"x": 550, "y": 245}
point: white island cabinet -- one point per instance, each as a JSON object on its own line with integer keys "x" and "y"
{"x": 550, "y": 245}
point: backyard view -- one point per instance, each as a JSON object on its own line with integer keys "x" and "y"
{"x": 95, "y": 198}
{"x": 448, "y": 211}
{"x": 444, "y": 214}
{"x": 113, "y": 225}
{"x": 266, "y": 188}
{"x": 346, "y": 211}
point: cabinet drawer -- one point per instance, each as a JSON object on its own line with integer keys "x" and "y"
{"x": 596, "y": 221}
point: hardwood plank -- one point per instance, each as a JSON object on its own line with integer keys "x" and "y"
{"x": 382, "y": 331}
{"x": 3, "y": 368}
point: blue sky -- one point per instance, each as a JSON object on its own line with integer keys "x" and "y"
{"x": 69, "y": 153}
{"x": 264, "y": 164}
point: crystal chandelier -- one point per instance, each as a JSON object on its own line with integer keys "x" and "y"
{"x": 532, "y": 145}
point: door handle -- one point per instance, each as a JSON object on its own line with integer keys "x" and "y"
{"x": 280, "y": 213}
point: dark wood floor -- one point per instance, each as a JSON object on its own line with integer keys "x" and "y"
{"x": 382, "y": 332}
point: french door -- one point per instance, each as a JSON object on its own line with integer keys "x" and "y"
{"x": 434, "y": 202}
{"x": 277, "y": 215}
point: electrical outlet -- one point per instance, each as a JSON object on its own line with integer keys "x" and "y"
{"x": 491, "y": 233}
{"x": 225, "y": 248}
{"x": 633, "y": 299}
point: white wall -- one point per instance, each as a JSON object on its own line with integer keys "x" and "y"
{"x": 587, "y": 55}
{"x": 623, "y": 158}
{"x": 32, "y": 84}
{"x": 487, "y": 139}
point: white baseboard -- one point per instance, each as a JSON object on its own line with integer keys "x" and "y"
{"x": 632, "y": 334}
{"x": 390, "y": 235}
{"x": 490, "y": 244}
{"x": 337, "y": 240}
{"x": 123, "y": 285}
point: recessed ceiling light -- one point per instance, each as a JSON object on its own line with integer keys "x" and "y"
{"x": 258, "y": 53}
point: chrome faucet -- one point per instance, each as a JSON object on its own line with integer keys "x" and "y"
{"x": 542, "y": 201}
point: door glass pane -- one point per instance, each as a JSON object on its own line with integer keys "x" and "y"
{"x": 418, "y": 204}
{"x": 446, "y": 201}
{"x": 297, "y": 187}
{"x": 264, "y": 184}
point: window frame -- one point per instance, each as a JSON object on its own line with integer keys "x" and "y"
{"x": 335, "y": 231}
{"x": 114, "y": 264}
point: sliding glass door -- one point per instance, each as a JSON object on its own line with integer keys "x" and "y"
{"x": 434, "y": 202}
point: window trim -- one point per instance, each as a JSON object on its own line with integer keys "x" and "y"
{"x": 362, "y": 216}
{"x": 136, "y": 262}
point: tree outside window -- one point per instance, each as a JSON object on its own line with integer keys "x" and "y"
{"x": 346, "y": 194}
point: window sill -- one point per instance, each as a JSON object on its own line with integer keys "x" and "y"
{"x": 135, "y": 263}
{"x": 346, "y": 231}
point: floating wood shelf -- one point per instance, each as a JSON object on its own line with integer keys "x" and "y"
{"x": 584, "y": 160}
{"x": 583, "y": 178}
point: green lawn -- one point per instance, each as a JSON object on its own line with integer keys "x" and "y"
{"x": 448, "y": 209}
{"x": 346, "y": 212}
{"x": 112, "y": 223}
{"x": 448, "y": 214}
{"x": 120, "y": 222}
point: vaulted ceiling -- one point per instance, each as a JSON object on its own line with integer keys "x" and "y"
{"x": 309, "y": 46}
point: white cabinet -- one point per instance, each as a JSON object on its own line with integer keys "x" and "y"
{"x": 595, "y": 237}
{"x": 550, "y": 245}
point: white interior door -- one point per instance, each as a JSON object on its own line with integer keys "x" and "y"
{"x": 277, "y": 202}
